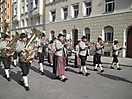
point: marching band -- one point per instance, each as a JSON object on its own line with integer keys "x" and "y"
{"x": 56, "y": 51}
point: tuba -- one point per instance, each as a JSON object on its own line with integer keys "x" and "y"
{"x": 24, "y": 55}
{"x": 11, "y": 44}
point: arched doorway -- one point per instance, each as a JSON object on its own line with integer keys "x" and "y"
{"x": 129, "y": 43}
{"x": 74, "y": 36}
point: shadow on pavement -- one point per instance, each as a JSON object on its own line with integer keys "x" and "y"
{"x": 116, "y": 78}
{"x": 47, "y": 73}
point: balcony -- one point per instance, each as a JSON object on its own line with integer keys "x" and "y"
{"x": 36, "y": 12}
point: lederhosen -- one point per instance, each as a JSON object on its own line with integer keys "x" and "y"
{"x": 98, "y": 56}
{"x": 15, "y": 55}
{"x": 83, "y": 58}
{"x": 115, "y": 56}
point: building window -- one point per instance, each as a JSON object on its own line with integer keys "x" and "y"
{"x": 31, "y": 22}
{"x": 36, "y": 3}
{"x": 87, "y": 33}
{"x": 8, "y": 17}
{"x": 38, "y": 20}
{"x": 52, "y": 35}
{"x": 15, "y": 12}
{"x": 64, "y": 33}
{"x": 8, "y": 6}
{"x": 22, "y": 9}
{"x": 22, "y": 23}
{"x": 26, "y": 22}
{"x": 109, "y": 5}
{"x": 108, "y": 33}
{"x": 88, "y": 8}
{"x": 53, "y": 15}
{"x": 26, "y": 8}
{"x": 31, "y": 5}
{"x": 65, "y": 10}
{"x": 76, "y": 10}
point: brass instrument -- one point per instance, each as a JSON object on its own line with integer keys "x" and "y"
{"x": 106, "y": 42}
{"x": 11, "y": 44}
{"x": 24, "y": 55}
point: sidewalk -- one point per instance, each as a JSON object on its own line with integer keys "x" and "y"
{"x": 122, "y": 61}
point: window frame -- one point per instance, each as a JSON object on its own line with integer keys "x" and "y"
{"x": 107, "y": 6}
{"x": 88, "y": 7}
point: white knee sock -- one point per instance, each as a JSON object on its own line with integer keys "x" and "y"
{"x": 15, "y": 61}
{"x": 100, "y": 66}
{"x": 25, "y": 79}
{"x": 117, "y": 64}
{"x": 62, "y": 77}
{"x": 85, "y": 69}
{"x": 96, "y": 66}
{"x": 7, "y": 73}
{"x": 80, "y": 69}
{"x": 41, "y": 67}
{"x": 113, "y": 64}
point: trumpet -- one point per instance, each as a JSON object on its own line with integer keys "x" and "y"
{"x": 106, "y": 42}
{"x": 122, "y": 47}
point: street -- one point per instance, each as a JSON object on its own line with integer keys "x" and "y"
{"x": 112, "y": 84}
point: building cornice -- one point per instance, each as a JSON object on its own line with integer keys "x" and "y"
{"x": 27, "y": 27}
{"x": 92, "y": 16}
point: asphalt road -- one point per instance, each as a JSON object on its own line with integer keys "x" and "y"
{"x": 112, "y": 84}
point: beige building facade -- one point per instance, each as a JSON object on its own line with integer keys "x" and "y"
{"x": 5, "y": 16}
{"x": 111, "y": 19}
{"x": 27, "y": 14}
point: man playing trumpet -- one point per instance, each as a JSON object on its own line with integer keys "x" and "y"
{"x": 115, "y": 49}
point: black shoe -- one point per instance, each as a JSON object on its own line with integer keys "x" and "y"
{"x": 42, "y": 73}
{"x": 76, "y": 66}
{"x": 58, "y": 78}
{"x": 66, "y": 69}
{"x": 8, "y": 79}
{"x": 95, "y": 69}
{"x": 118, "y": 68}
{"x": 87, "y": 74}
{"x": 65, "y": 79}
{"x": 21, "y": 82}
{"x": 27, "y": 88}
{"x": 112, "y": 67}
{"x": 80, "y": 72}
{"x": 5, "y": 76}
{"x": 102, "y": 71}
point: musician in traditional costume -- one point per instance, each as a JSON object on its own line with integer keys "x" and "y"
{"x": 116, "y": 51}
{"x": 83, "y": 56}
{"x": 41, "y": 52}
{"x": 59, "y": 64}
{"x": 99, "y": 46}
{"x": 51, "y": 48}
{"x": 6, "y": 60}
{"x": 20, "y": 47}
